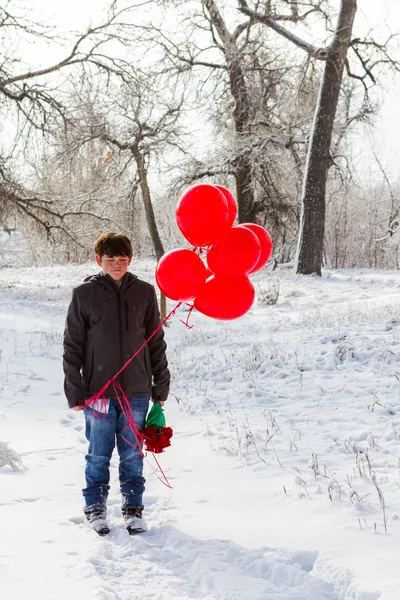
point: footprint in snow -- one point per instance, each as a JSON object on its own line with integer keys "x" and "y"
{"x": 187, "y": 568}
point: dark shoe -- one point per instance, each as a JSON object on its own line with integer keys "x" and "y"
{"x": 97, "y": 520}
{"x": 134, "y": 521}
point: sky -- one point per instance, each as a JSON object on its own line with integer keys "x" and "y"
{"x": 371, "y": 15}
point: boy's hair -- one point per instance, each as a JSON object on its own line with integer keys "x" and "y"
{"x": 113, "y": 244}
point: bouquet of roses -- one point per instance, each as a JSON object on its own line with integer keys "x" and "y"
{"x": 156, "y": 435}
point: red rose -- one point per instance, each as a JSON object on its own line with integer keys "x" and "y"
{"x": 157, "y": 438}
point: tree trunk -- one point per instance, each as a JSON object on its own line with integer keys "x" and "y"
{"x": 163, "y": 307}
{"x": 148, "y": 207}
{"x": 150, "y": 218}
{"x": 241, "y": 114}
{"x": 244, "y": 191}
{"x": 319, "y": 160}
{"x": 241, "y": 117}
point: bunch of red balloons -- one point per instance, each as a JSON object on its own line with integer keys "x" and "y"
{"x": 221, "y": 289}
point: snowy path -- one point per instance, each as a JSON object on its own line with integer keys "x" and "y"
{"x": 48, "y": 552}
{"x": 246, "y": 519}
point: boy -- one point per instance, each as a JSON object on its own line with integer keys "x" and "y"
{"x": 110, "y": 316}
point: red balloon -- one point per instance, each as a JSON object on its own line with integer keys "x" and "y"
{"x": 237, "y": 253}
{"x": 202, "y": 214}
{"x": 225, "y": 298}
{"x": 265, "y": 242}
{"x": 232, "y": 206}
{"x": 179, "y": 274}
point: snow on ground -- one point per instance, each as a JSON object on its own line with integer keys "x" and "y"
{"x": 285, "y": 459}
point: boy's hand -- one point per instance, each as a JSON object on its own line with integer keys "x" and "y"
{"x": 160, "y": 402}
{"x": 80, "y": 407}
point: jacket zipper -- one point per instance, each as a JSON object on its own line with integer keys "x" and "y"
{"x": 121, "y": 362}
{"x": 91, "y": 369}
{"x": 126, "y": 316}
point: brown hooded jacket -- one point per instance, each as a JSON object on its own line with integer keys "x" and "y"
{"x": 106, "y": 324}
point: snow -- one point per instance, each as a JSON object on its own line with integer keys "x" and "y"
{"x": 285, "y": 463}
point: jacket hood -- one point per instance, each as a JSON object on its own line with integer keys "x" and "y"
{"x": 103, "y": 279}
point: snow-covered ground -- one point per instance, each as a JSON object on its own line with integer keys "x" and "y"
{"x": 284, "y": 464}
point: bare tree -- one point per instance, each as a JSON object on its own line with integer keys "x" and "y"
{"x": 370, "y": 55}
{"x": 138, "y": 125}
{"x": 146, "y": 127}
{"x": 85, "y": 187}
{"x": 238, "y": 77}
{"x": 35, "y": 103}
{"x": 230, "y": 46}
{"x": 319, "y": 160}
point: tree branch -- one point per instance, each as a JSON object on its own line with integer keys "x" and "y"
{"x": 314, "y": 51}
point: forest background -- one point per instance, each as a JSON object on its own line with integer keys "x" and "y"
{"x": 110, "y": 110}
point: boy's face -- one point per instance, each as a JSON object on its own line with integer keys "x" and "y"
{"x": 114, "y": 266}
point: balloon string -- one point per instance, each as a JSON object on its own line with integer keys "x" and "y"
{"x": 186, "y": 323}
{"x": 176, "y": 397}
{"x": 130, "y": 421}
{"x": 139, "y": 436}
{"x": 201, "y": 249}
{"x": 124, "y": 403}
{"x": 171, "y": 314}
{"x": 100, "y": 394}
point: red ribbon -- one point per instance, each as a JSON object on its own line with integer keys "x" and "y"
{"x": 124, "y": 401}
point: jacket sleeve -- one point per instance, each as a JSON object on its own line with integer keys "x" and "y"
{"x": 157, "y": 348}
{"x": 74, "y": 348}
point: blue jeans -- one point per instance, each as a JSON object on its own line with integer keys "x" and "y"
{"x": 101, "y": 432}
